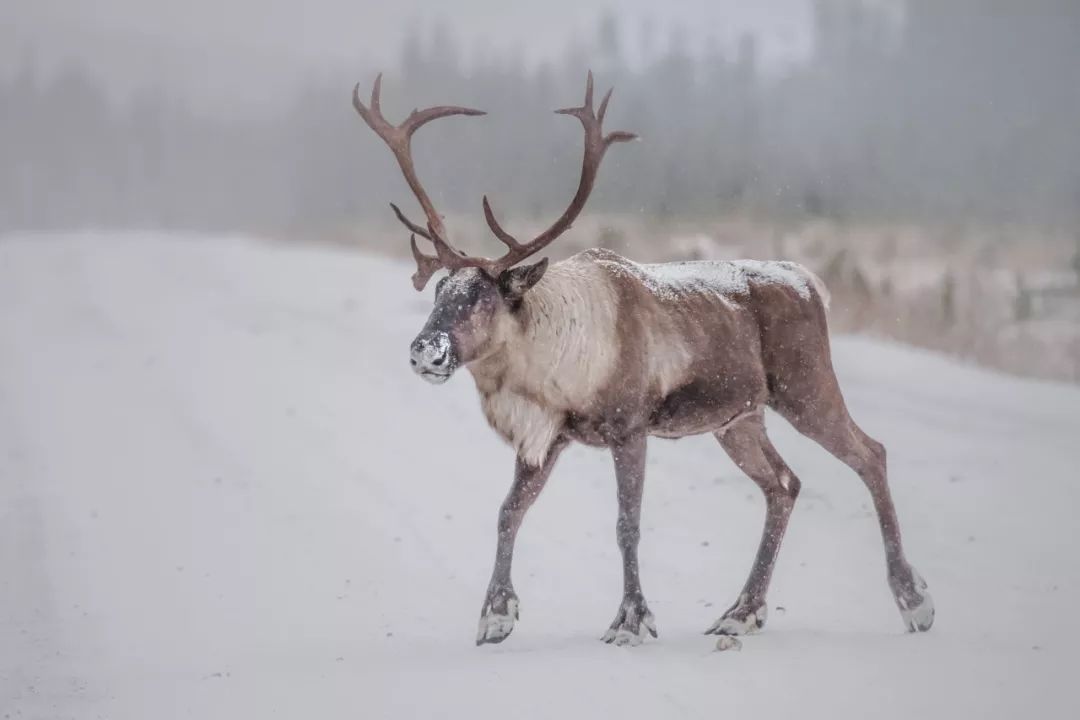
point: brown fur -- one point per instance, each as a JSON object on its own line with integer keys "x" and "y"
{"x": 686, "y": 362}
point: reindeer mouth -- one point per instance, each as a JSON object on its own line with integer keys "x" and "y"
{"x": 435, "y": 378}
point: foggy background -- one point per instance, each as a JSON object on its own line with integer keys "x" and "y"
{"x": 924, "y": 155}
{"x": 224, "y": 493}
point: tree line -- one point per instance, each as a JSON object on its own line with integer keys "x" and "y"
{"x": 965, "y": 110}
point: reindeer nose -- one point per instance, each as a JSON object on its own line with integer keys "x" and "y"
{"x": 429, "y": 353}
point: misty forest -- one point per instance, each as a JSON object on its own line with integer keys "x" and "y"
{"x": 953, "y": 115}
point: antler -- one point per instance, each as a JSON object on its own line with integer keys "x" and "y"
{"x": 596, "y": 144}
{"x": 399, "y": 139}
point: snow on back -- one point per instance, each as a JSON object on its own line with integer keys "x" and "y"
{"x": 668, "y": 280}
{"x": 777, "y": 273}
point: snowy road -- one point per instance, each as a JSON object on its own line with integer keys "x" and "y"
{"x": 223, "y": 494}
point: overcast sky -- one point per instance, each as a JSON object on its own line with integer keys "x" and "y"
{"x": 221, "y": 41}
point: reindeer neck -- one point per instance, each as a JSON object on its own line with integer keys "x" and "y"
{"x": 559, "y": 348}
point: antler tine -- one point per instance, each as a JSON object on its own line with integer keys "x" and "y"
{"x": 373, "y": 115}
{"x": 399, "y": 139}
{"x": 596, "y": 144}
{"x": 603, "y": 106}
{"x": 413, "y": 227}
{"x": 376, "y": 91}
{"x": 419, "y": 118}
{"x": 506, "y": 238}
{"x": 426, "y": 265}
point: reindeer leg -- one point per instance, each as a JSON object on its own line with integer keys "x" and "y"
{"x": 823, "y": 417}
{"x": 633, "y": 619}
{"x": 866, "y": 456}
{"x": 500, "y": 608}
{"x": 750, "y": 449}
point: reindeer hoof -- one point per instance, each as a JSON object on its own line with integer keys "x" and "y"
{"x": 745, "y": 617}
{"x": 497, "y": 617}
{"x": 916, "y": 606}
{"x": 632, "y": 623}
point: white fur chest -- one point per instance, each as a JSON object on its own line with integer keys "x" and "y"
{"x": 528, "y": 426}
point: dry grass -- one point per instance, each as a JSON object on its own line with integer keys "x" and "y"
{"x": 1004, "y": 297}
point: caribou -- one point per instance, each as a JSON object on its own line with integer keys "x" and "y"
{"x": 600, "y": 350}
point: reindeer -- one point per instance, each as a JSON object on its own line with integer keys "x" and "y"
{"x": 604, "y": 351}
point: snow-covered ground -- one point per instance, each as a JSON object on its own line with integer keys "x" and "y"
{"x": 224, "y": 494}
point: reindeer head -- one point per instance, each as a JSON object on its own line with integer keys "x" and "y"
{"x": 479, "y": 296}
{"x": 472, "y": 318}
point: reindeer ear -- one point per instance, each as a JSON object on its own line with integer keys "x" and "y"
{"x": 515, "y": 282}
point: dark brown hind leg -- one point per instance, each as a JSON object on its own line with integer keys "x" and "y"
{"x": 750, "y": 449}
{"x": 823, "y": 417}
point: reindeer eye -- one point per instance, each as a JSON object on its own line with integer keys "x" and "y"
{"x": 439, "y": 285}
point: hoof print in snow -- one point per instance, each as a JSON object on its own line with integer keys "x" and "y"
{"x": 728, "y": 642}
